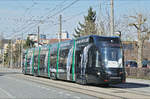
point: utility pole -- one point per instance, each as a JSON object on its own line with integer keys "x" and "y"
{"x": 38, "y": 37}
{"x": 11, "y": 62}
{"x": 21, "y": 50}
{"x": 3, "y": 57}
{"x": 60, "y": 28}
{"x": 1, "y": 46}
{"x": 100, "y": 29}
{"x": 112, "y": 18}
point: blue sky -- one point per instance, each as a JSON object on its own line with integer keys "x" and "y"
{"x": 22, "y": 16}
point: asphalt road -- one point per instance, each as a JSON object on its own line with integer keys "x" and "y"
{"x": 13, "y": 84}
{"x": 11, "y": 87}
{"x": 139, "y": 86}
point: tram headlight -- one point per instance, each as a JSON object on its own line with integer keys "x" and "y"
{"x": 98, "y": 73}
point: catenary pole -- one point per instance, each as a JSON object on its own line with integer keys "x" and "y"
{"x": 112, "y": 18}
{"x": 21, "y": 51}
{"x": 60, "y": 28}
{"x": 38, "y": 37}
{"x": 11, "y": 62}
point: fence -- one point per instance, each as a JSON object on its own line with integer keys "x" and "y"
{"x": 141, "y": 73}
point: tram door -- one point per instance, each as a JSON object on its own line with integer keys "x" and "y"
{"x": 82, "y": 61}
{"x": 78, "y": 69}
{"x": 92, "y": 61}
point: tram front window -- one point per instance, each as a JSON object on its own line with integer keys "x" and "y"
{"x": 112, "y": 57}
{"x": 94, "y": 57}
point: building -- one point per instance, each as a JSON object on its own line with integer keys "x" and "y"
{"x": 64, "y": 35}
{"x": 43, "y": 40}
{"x": 55, "y": 40}
{"x": 34, "y": 37}
{"x": 2, "y": 45}
{"x": 131, "y": 50}
{"x": 5, "y": 48}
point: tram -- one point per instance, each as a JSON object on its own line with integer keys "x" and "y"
{"x": 90, "y": 59}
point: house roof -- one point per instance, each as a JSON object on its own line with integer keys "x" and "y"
{"x": 56, "y": 40}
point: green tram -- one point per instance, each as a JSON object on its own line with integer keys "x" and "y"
{"x": 91, "y": 59}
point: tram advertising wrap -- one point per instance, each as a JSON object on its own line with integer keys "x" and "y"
{"x": 91, "y": 59}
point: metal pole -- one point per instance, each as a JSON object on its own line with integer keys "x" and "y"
{"x": 21, "y": 54}
{"x": 11, "y": 55}
{"x": 100, "y": 31}
{"x": 3, "y": 57}
{"x": 60, "y": 31}
{"x": 1, "y": 45}
{"x": 112, "y": 18}
{"x": 38, "y": 35}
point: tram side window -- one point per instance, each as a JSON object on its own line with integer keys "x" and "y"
{"x": 93, "y": 58}
{"x": 90, "y": 58}
{"x": 42, "y": 60}
{"x": 53, "y": 59}
{"x": 63, "y": 58}
{"x": 23, "y": 59}
{"x": 28, "y": 61}
{"x": 36, "y": 60}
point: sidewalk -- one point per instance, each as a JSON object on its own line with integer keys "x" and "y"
{"x": 140, "y": 81}
{"x": 5, "y": 69}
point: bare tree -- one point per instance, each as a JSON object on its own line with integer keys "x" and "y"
{"x": 103, "y": 22}
{"x": 1, "y": 40}
{"x": 1, "y": 47}
{"x": 143, "y": 34}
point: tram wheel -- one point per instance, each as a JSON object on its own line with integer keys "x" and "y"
{"x": 105, "y": 85}
{"x": 83, "y": 82}
{"x": 23, "y": 71}
{"x": 35, "y": 73}
{"x": 53, "y": 76}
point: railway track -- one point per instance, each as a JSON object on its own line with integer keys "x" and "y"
{"x": 97, "y": 91}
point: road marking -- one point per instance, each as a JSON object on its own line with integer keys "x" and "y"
{"x": 35, "y": 85}
{"x": 60, "y": 92}
{"x": 47, "y": 88}
{"x": 54, "y": 90}
{"x": 68, "y": 95}
{"x": 7, "y": 93}
{"x": 42, "y": 87}
{"x": 76, "y": 97}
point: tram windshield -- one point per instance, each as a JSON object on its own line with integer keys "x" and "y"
{"x": 111, "y": 57}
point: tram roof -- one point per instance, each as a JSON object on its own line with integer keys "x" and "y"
{"x": 101, "y": 36}
{"x": 93, "y": 36}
